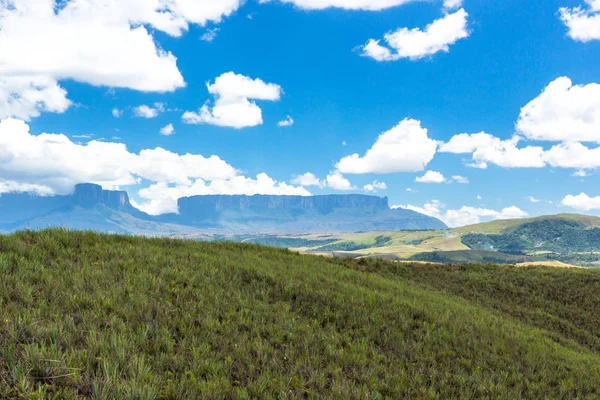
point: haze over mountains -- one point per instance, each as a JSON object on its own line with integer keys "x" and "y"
{"x": 91, "y": 207}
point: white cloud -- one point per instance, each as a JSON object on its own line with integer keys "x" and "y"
{"x": 487, "y": 149}
{"x": 369, "y": 5}
{"x": 375, "y": 186}
{"x": 533, "y": 199}
{"x": 145, "y": 111}
{"x": 209, "y": 35}
{"x": 233, "y": 106}
{"x": 582, "y": 202}
{"x": 404, "y": 148}
{"x": 460, "y": 179}
{"x": 583, "y": 24}
{"x": 453, "y": 4}
{"x": 415, "y": 43}
{"x": 307, "y": 179}
{"x": 167, "y": 130}
{"x": 337, "y": 181}
{"x": 289, "y": 121}
{"x": 465, "y": 215}
{"x": 52, "y": 164}
{"x": 479, "y": 197}
{"x": 563, "y": 112}
{"x": 161, "y": 198}
{"x": 431, "y": 177}
{"x": 101, "y": 43}
{"x": 581, "y": 173}
{"x": 53, "y": 161}
{"x": 117, "y": 113}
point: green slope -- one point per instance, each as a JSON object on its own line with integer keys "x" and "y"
{"x": 504, "y": 226}
{"x": 96, "y": 316}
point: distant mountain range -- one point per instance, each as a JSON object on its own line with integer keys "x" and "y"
{"x": 91, "y": 207}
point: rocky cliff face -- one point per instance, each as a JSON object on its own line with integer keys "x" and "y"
{"x": 88, "y": 195}
{"x": 341, "y": 213}
{"x": 90, "y": 205}
{"x": 323, "y": 204}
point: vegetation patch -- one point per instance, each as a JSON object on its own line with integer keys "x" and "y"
{"x": 95, "y": 316}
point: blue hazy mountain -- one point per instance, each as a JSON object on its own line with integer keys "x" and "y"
{"x": 330, "y": 213}
{"x": 91, "y": 207}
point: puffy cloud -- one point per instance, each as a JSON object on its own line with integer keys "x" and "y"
{"x": 161, "y": 198}
{"x": 145, "y": 111}
{"x": 375, "y": 186}
{"x": 582, "y": 202}
{"x": 563, "y": 112}
{"x": 289, "y": 121}
{"x": 337, "y": 181}
{"x": 583, "y": 24}
{"x": 533, "y": 199}
{"x": 233, "y": 106}
{"x": 415, "y": 43}
{"x": 369, "y": 5}
{"x": 431, "y": 177}
{"x": 101, "y": 43}
{"x": 307, "y": 179}
{"x": 53, "y": 161}
{"x": 404, "y": 148}
{"x": 487, "y": 149}
{"x": 167, "y": 130}
{"x": 117, "y": 113}
{"x": 452, "y": 4}
{"x": 51, "y": 164}
{"x": 465, "y": 215}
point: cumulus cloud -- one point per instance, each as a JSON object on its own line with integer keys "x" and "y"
{"x": 113, "y": 47}
{"x": 117, "y": 113}
{"x": 533, "y": 199}
{"x": 453, "y": 4}
{"x": 307, "y": 179}
{"x": 54, "y": 161}
{"x": 161, "y": 198}
{"x": 233, "y": 106}
{"x": 52, "y": 164}
{"x": 337, "y": 181}
{"x": 404, "y": 148}
{"x": 289, "y": 121}
{"x": 487, "y": 149}
{"x": 583, "y": 24}
{"x": 167, "y": 130}
{"x": 563, "y": 112}
{"x": 465, "y": 215}
{"x": 369, "y": 5}
{"x": 415, "y": 43}
{"x": 375, "y": 186}
{"x": 145, "y": 111}
{"x": 582, "y": 202}
{"x": 431, "y": 177}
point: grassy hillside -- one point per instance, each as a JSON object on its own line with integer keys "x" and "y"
{"x": 94, "y": 316}
{"x": 505, "y": 226}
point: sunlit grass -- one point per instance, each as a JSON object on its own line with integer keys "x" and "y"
{"x": 115, "y": 317}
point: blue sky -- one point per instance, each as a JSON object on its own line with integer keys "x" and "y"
{"x": 474, "y": 71}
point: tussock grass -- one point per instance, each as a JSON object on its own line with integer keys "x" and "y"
{"x": 84, "y": 315}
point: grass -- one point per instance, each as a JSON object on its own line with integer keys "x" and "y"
{"x": 503, "y": 226}
{"x": 97, "y": 316}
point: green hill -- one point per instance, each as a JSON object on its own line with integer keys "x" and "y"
{"x": 505, "y": 226}
{"x": 109, "y": 317}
